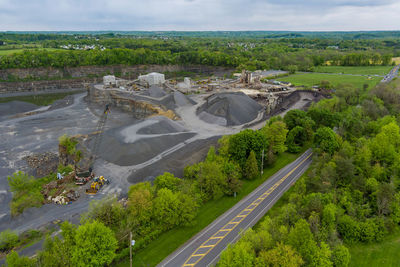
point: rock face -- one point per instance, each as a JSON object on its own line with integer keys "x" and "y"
{"x": 42, "y": 164}
{"x": 140, "y": 106}
{"x": 229, "y": 109}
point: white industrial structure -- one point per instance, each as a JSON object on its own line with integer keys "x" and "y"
{"x": 153, "y": 78}
{"x": 109, "y": 81}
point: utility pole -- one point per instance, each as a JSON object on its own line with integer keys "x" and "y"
{"x": 262, "y": 162}
{"x": 130, "y": 248}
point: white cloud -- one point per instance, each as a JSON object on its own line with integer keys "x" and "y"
{"x": 199, "y": 15}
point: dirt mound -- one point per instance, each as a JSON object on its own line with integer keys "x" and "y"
{"x": 15, "y": 107}
{"x": 230, "y": 109}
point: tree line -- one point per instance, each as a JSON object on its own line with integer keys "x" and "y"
{"x": 349, "y": 195}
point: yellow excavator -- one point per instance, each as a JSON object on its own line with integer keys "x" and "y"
{"x": 96, "y": 185}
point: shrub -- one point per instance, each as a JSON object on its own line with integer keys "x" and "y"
{"x": 8, "y": 240}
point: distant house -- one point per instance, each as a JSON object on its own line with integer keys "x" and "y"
{"x": 2, "y": 42}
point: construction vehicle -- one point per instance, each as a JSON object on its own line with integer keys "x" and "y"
{"x": 83, "y": 177}
{"x": 97, "y": 184}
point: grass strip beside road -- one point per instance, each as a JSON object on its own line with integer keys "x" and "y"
{"x": 169, "y": 241}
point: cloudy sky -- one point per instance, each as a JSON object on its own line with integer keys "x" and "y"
{"x": 317, "y": 15}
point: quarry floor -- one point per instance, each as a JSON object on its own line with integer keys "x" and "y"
{"x": 131, "y": 150}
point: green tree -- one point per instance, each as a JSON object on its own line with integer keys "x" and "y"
{"x": 95, "y": 245}
{"x": 212, "y": 181}
{"x": 340, "y": 256}
{"x": 326, "y": 140}
{"x": 296, "y": 139}
{"x": 242, "y": 143}
{"x": 281, "y": 255}
{"x": 238, "y": 255}
{"x": 275, "y": 133}
{"x": 167, "y": 180}
{"x": 251, "y": 170}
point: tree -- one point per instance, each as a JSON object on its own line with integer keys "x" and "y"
{"x": 238, "y": 255}
{"x": 172, "y": 209}
{"x": 251, "y": 168}
{"x": 242, "y": 143}
{"x": 281, "y": 255}
{"x": 326, "y": 140}
{"x": 340, "y": 256}
{"x": 107, "y": 210}
{"x": 20, "y": 181}
{"x": 275, "y": 133}
{"x": 167, "y": 180}
{"x": 140, "y": 207}
{"x": 95, "y": 245}
{"x": 212, "y": 180}
{"x": 296, "y": 139}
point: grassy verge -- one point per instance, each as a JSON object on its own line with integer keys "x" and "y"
{"x": 169, "y": 241}
{"x": 369, "y": 70}
{"x": 311, "y": 79}
{"x": 385, "y": 253}
{"x": 40, "y": 100}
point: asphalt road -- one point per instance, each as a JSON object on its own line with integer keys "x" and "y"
{"x": 205, "y": 248}
{"x": 391, "y": 75}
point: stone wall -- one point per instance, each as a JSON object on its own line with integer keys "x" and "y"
{"x": 77, "y": 77}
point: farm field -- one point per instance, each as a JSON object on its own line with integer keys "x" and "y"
{"x": 369, "y": 70}
{"x": 19, "y": 50}
{"x": 311, "y": 79}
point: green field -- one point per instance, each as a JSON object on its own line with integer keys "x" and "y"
{"x": 167, "y": 242}
{"x": 385, "y": 253}
{"x": 311, "y": 79}
{"x": 369, "y": 70}
{"x": 13, "y": 51}
{"x": 40, "y": 100}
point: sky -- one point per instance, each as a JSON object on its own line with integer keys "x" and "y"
{"x": 199, "y": 15}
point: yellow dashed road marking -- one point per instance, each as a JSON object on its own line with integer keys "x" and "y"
{"x": 214, "y": 240}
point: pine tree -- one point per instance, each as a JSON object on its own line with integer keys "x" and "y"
{"x": 251, "y": 168}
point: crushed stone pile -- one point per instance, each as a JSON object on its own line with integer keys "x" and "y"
{"x": 42, "y": 164}
{"x": 182, "y": 100}
{"x": 156, "y": 91}
{"x": 229, "y": 109}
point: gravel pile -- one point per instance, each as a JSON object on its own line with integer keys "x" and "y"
{"x": 156, "y": 91}
{"x": 232, "y": 109}
{"x": 182, "y": 100}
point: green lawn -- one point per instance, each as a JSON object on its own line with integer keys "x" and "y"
{"x": 40, "y": 100}
{"x": 385, "y": 253}
{"x": 369, "y": 70}
{"x": 311, "y": 79}
{"x": 13, "y": 51}
{"x": 169, "y": 241}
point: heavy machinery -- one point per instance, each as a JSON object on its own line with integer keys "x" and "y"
{"x": 82, "y": 178}
{"x": 97, "y": 184}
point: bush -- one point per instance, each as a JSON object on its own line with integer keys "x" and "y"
{"x": 8, "y": 240}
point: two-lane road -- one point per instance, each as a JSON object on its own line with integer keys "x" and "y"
{"x": 205, "y": 248}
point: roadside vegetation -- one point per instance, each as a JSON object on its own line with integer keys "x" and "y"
{"x": 349, "y": 197}
{"x": 39, "y": 99}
